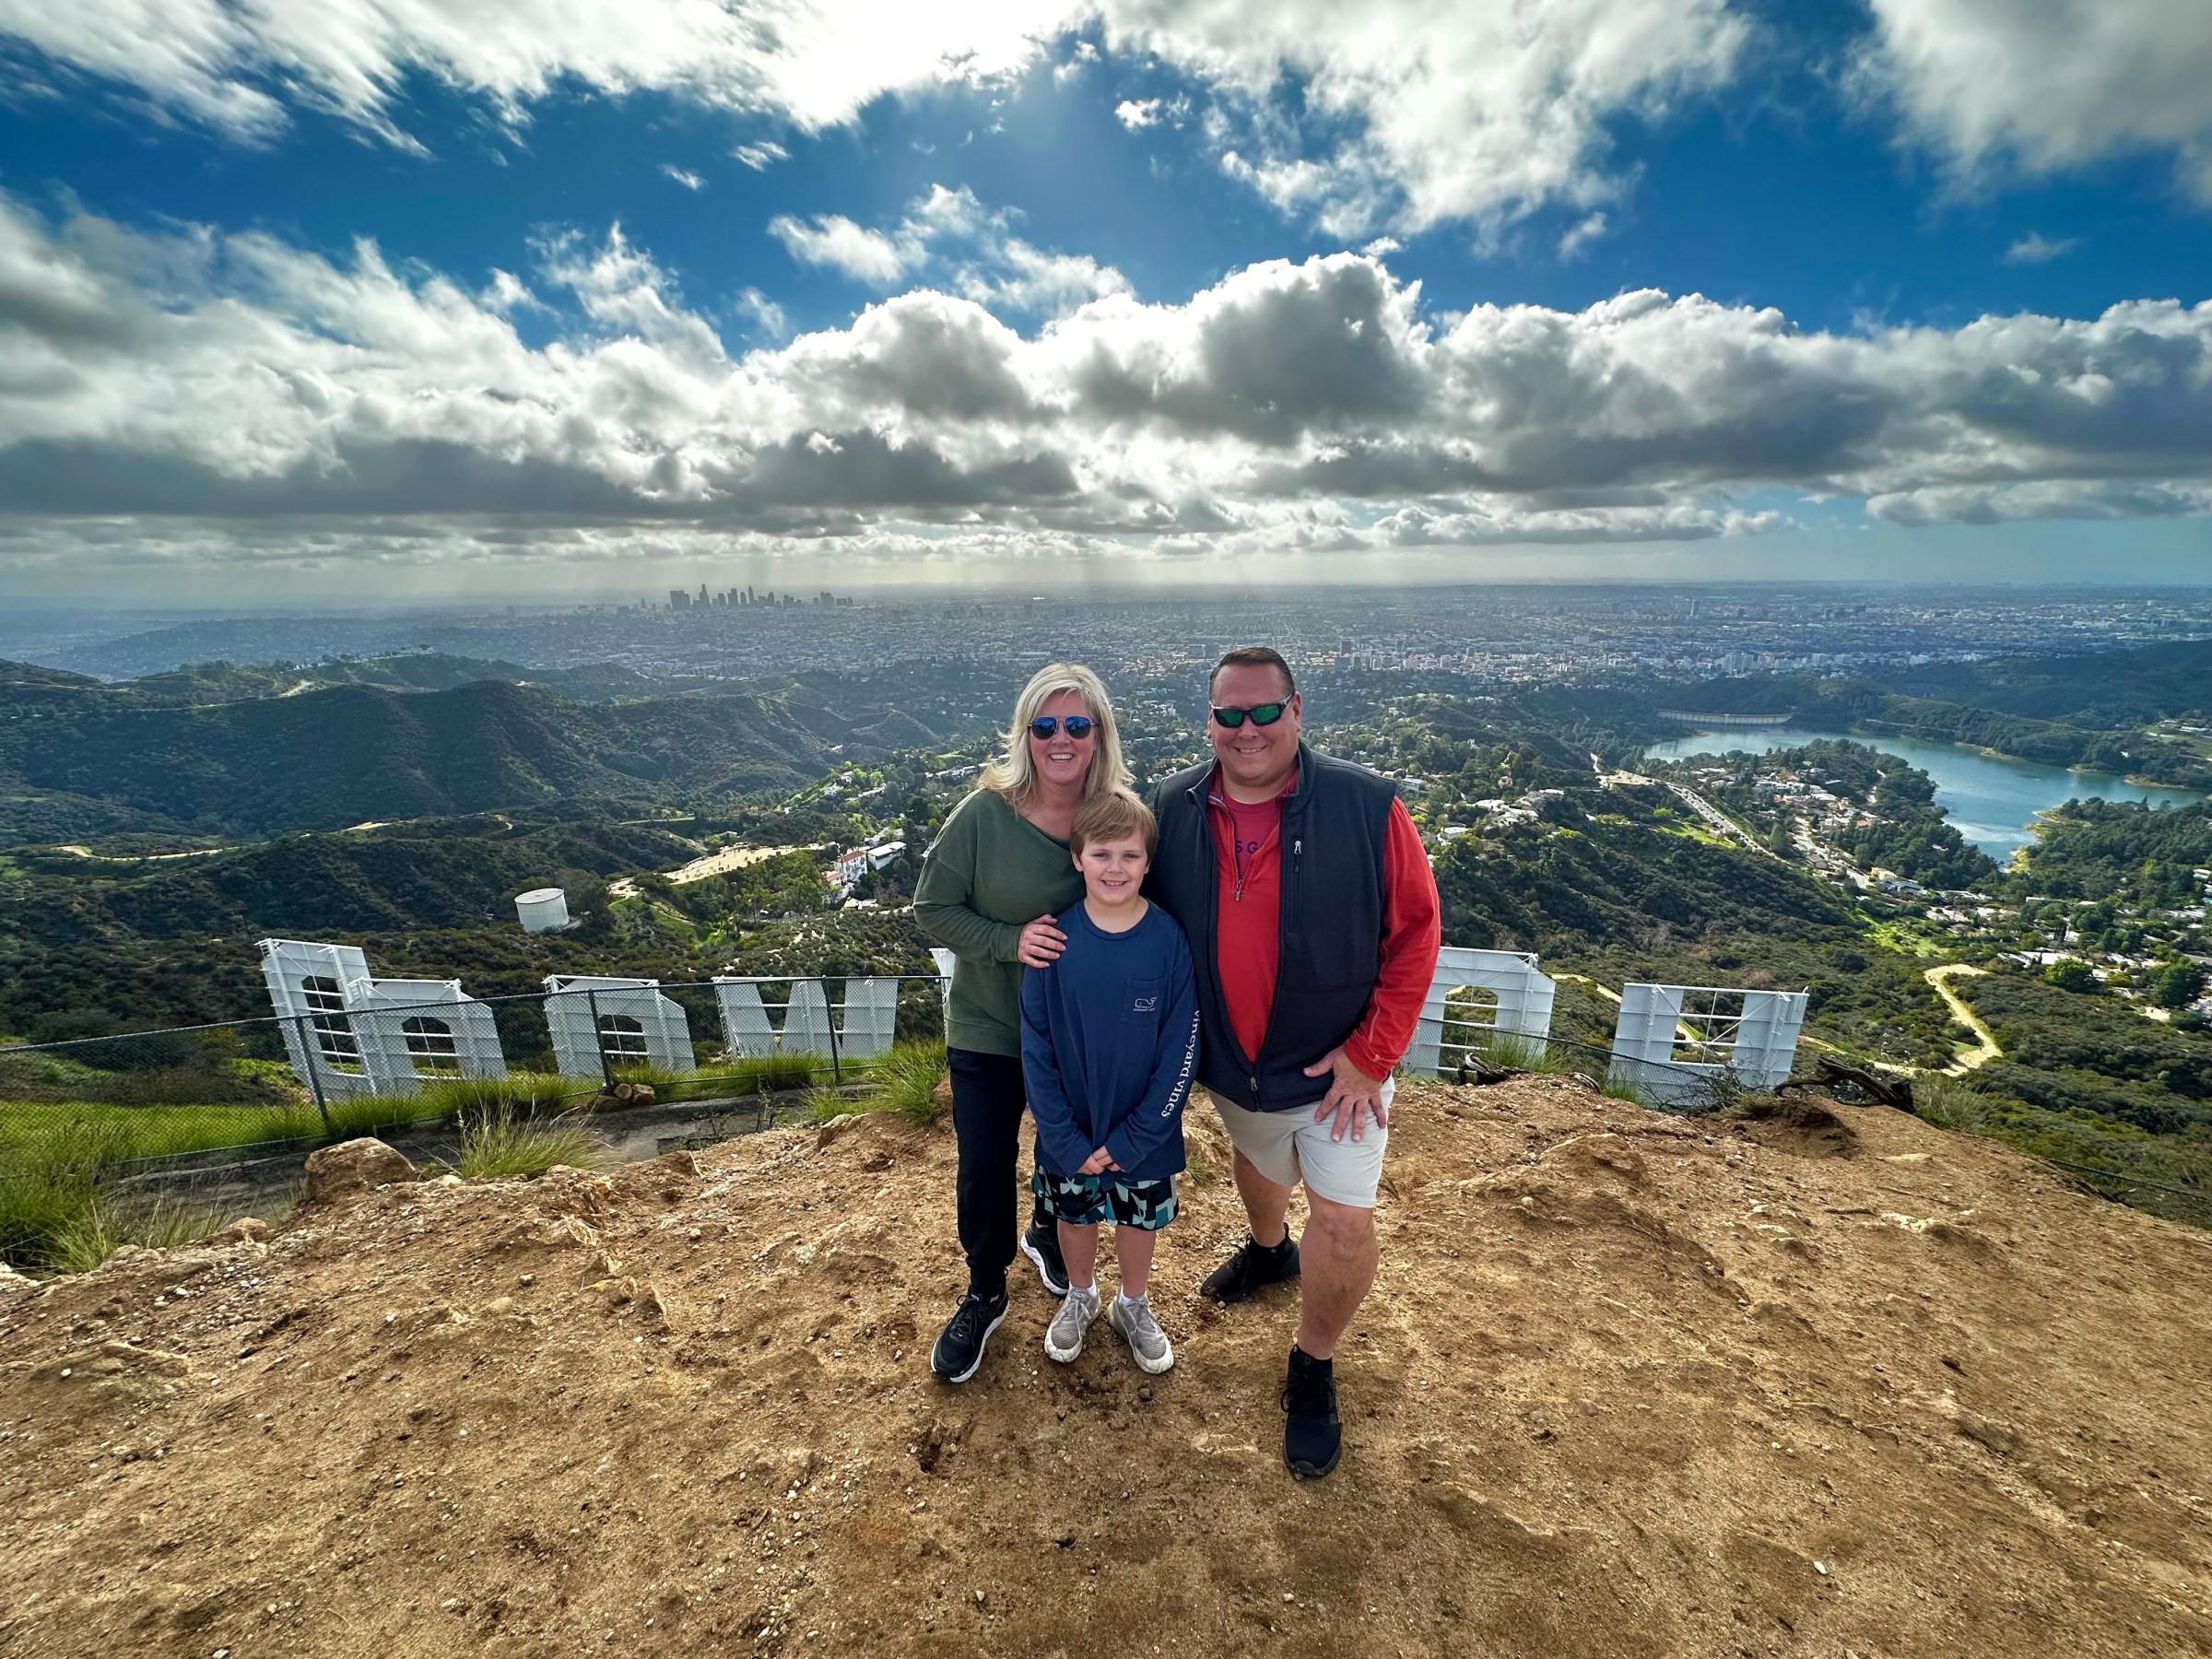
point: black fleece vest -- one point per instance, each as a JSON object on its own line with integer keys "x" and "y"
{"x": 1335, "y": 826}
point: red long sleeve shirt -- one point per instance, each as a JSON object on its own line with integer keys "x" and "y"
{"x": 1248, "y": 933}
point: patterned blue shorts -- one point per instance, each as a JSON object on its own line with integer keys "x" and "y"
{"x": 1087, "y": 1200}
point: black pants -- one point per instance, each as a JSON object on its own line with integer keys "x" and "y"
{"x": 987, "y": 1101}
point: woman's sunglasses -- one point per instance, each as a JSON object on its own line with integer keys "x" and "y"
{"x": 1079, "y": 725}
{"x": 1263, "y": 714}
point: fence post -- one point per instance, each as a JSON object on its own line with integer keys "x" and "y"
{"x": 607, "y": 1067}
{"x": 836, "y": 1064}
{"x": 312, "y": 1052}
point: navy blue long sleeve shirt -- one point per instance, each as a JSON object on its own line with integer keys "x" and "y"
{"x": 1110, "y": 1046}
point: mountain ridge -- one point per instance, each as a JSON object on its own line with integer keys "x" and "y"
{"x": 342, "y": 755}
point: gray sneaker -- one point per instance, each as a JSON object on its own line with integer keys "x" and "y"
{"x": 1064, "y": 1336}
{"x": 1148, "y": 1343}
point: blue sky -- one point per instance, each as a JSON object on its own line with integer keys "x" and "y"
{"x": 1134, "y": 249}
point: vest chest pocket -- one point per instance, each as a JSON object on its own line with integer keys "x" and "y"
{"x": 1140, "y": 1002}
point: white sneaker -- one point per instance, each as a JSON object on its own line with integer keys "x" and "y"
{"x": 1148, "y": 1345}
{"x": 1064, "y": 1338}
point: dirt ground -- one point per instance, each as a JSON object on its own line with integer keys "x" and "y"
{"x": 1833, "y": 1383}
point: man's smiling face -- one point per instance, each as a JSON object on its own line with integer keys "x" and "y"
{"x": 1257, "y": 761}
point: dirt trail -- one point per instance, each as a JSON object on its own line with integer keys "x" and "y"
{"x": 1987, "y": 1050}
{"x": 1827, "y": 1384}
{"x": 728, "y": 859}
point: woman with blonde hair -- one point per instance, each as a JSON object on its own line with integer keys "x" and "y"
{"x": 997, "y": 876}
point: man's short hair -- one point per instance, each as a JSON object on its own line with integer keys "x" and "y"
{"x": 1254, "y": 656}
{"x": 1115, "y": 815}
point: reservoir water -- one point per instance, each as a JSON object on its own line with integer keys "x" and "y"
{"x": 1990, "y": 800}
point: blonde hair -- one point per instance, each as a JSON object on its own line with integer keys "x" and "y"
{"x": 1014, "y": 775}
{"x": 1115, "y": 815}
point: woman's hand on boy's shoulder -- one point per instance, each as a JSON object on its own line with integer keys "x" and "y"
{"x": 1041, "y": 945}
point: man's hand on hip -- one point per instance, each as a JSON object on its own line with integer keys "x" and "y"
{"x": 1353, "y": 1097}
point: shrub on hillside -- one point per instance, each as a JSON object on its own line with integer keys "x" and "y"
{"x": 2072, "y": 975}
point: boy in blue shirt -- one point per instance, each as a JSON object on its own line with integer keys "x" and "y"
{"x": 1109, "y": 1048}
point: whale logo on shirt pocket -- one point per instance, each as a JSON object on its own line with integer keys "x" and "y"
{"x": 1140, "y": 999}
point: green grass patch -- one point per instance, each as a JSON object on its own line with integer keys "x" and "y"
{"x": 131, "y": 1132}
{"x": 497, "y": 1146}
{"x": 1909, "y": 937}
{"x": 91, "y": 1235}
{"x": 60, "y": 1210}
{"x": 905, "y": 1082}
{"x": 51, "y": 1074}
{"x": 524, "y": 1094}
{"x": 1620, "y": 1088}
{"x": 825, "y": 1105}
{"x": 768, "y": 1074}
{"x": 906, "y": 1079}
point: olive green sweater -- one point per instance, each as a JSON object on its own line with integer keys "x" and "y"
{"x": 990, "y": 873}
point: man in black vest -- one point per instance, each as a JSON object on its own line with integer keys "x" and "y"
{"x": 1312, "y": 918}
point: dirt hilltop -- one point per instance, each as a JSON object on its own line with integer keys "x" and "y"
{"x": 1833, "y": 1383}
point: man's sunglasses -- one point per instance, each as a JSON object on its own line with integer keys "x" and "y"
{"x": 1079, "y": 725}
{"x": 1263, "y": 714}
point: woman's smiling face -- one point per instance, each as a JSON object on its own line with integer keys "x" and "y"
{"x": 1060, "y": 758}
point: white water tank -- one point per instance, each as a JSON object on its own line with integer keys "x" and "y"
{"x": 542, "y": 910}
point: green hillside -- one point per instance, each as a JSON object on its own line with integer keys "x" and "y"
{"x": 410, "y": 671}
{"x": 1624, "y": 884}
{"x": 2121, "y": 851}
{"x": 2113, "y": 690}
{"x": 495, "y": 787}
{"x": 166, "y": 941}
{"x": 1857, "y": 704}
{"x": 30, "y": 674}
{"x": 325, "y": 760}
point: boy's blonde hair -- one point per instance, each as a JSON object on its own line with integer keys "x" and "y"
{"x": 1114, "y": 816}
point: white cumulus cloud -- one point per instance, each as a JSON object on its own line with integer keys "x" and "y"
{"x": 1473, "y": 113}
{"x": 1413, "y": 113}
{"x": 815, "y": 62}
{"x": 839, "y": 242}
{"x": 2057, "y": 84}
{"x": 965, "y": 246}
{"x": 219, "y": 394}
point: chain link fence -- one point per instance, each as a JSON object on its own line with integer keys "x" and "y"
{"x": 399, "y": 1066}
{"x": 656, "y": 1065}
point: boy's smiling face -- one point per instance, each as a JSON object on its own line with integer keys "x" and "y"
{"x": 1112, "y": 870}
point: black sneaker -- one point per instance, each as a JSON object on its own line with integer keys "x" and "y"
{"x": 1312, "y": 1433}
{"x": 1041, "y": 1245}
{"x": 961, "y": 1348}
{"x": 1254, "y": 1265}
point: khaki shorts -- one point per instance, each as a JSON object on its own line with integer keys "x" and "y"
{"x": 1293, "y": 1147}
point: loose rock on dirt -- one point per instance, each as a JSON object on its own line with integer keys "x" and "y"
{"x": 1830, "y": 1381}
{"x": 352, "y": 1167}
